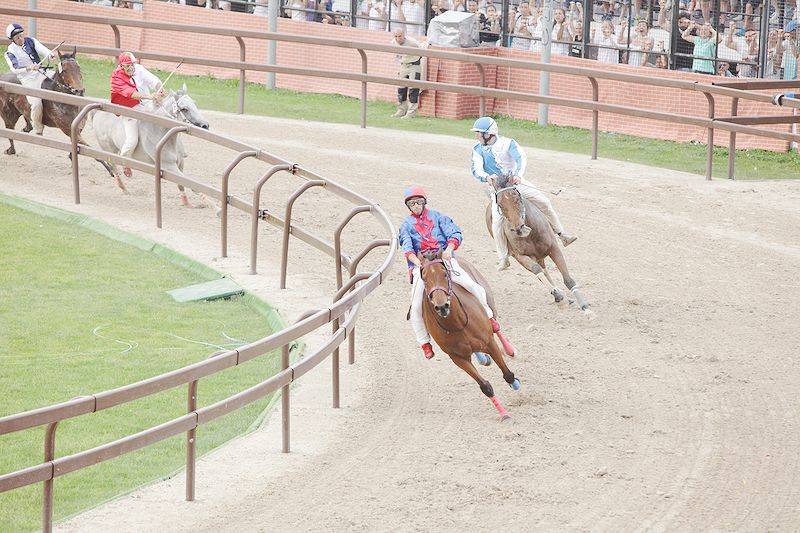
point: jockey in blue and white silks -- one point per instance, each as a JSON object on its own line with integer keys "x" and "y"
{"x": 24, "y": 55}
{"x": 494, "y": 156}
{"x": 426, "y": 230}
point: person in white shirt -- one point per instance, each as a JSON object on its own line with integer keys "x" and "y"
{"x": 608, "y": 41}
{"x": 414, "y": 13}
{"x": 24, "y": 57}
{"x": 410, "y": 68}
{"x": 377, "y": 11}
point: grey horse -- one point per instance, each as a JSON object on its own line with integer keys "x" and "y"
{"x": 110, "y": 134}
{"x": 531, "y": 239}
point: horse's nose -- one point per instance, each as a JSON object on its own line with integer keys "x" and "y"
{"x": 518, "y": 231}
{"x": 204, "y": 126}
{"x": 443, "y": 310}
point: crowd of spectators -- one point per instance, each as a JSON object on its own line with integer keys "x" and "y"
{"x": 720, "y": 37}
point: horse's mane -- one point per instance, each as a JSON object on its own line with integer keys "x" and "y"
{"x": 503, "y": 181}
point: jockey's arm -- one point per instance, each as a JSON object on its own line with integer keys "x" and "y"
{"x": 520, "y": 160}
{"x": 407, "y": 245}
{"x": 13, "y": 65}
{"x": 477, "y": 167}
{"x": 152, "y": 81}
{"x": 44, "y": 52}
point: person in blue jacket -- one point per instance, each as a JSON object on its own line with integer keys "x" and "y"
{"x": 426, "y": 230}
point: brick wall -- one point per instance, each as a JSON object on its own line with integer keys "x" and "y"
{"x": 445, "y": 105}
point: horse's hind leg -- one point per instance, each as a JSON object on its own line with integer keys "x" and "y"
{"x": 466, "y": 365}
{"x": 11, "y": 150}
{"x": 497, "y": 356}
{"x": 561, "y": 263}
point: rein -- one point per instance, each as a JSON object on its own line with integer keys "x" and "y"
{"x": 449, "y": 292}
{"x": 63, "y": 87}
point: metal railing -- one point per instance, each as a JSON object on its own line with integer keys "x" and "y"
{"x": 592, "y": 75}
{"x": 341, "y": 313}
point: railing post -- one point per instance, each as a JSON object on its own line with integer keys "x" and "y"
{"x": 363, "y": 88}
{"x": 226, "y": 176}
{"x": 117, "y": 39}
{"x": 732, "y": 141}
{"x": 157, "y": 173}
{"x": 482, "y": 100}
{"x": 285, "y": 401}
{"x": 256, "y": 212}
{"x": 335, "y": 368}
{"x": 191, "y": 444}
{"x": 49, "y": 455}
{"x": 710, "y": 137}
{"x": 287, "y": 225}
{"x": 73, "y": 136}
{"x": 351, "y": 340}
{"x": 242, "y": 56}
{"x": 595, "y": 116}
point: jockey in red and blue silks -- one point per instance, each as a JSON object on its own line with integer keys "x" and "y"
{"x": 426, "y": 230}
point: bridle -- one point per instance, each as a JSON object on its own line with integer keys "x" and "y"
{"x": 521, "y": 202}
{"x": 63, "y": 87}
{"x": 448, "y": 291}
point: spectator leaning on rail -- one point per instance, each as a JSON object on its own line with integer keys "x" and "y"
{"x": 493, "y": 156}
{"x": 127, "y": 91}
{"x": 426, "y": 230}
{"x": 24, "y": 56}
{"x": 408, "y": 99}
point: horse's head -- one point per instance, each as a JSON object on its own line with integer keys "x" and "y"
{"x": 438, "y": 284}
{"x": 511, "y": 205}
{"x": 184, "y": 108}
{"x": 69, "y": 73}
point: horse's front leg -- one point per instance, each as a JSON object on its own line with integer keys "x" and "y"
{"x": 561, "y": 263}
{"x": 465, "y": 364}
{"x": 528, "y": 262}
{"x": 11, "y": 150}
{"x": 497, "y": 356}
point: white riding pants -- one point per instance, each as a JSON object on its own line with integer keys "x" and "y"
{"x": 537, "y": 198}
{"x": 37, "y": 107}
{"x": 131, "y": 126}
{"x": 418, "y": 294}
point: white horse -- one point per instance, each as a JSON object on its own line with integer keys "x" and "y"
{"x": 110, "y": 134}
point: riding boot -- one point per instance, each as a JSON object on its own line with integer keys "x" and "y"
{"x": 36, "y": 118}
{"x": 566, "y": 238}
{"x": 412, "y": 111}
{"x": 427, "y": 350}
{"x": 402, "y": 108}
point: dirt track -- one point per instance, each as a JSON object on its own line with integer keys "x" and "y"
{"x": 675, "y": 409}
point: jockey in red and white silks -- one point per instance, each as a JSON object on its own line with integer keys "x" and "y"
{"x": 426, "y": 230}
{"x": 24, "y": 57}
{"x": 494, "y": 156}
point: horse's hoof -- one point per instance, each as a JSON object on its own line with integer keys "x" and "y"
{"x": 11, "y": 151}
{"x": 127, "y": 171}
{"x": 483, "y": 359}
{"x": 505, "y": 417}
{"x": 589, "y": 314}
{"x": 558, "y": 296}
{"x": 515, "y": 384}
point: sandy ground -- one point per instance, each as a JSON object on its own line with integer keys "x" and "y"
{"x": 675, "y": 409}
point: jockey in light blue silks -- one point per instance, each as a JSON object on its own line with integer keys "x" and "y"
{"x": 426, "y": 230}
{"x": 494, "y": 156}
{"x": 24, "y": 56}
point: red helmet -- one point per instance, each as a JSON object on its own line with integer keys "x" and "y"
{"x": 414, "y": 191}
{"x": 125, "y": 58}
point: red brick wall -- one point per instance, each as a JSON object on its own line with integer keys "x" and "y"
{"x": 434, "y": 104}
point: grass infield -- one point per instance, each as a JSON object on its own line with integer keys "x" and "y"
{"x": 81, "y": 313}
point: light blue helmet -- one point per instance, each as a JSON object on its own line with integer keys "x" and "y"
{"x": 485, "y": 125}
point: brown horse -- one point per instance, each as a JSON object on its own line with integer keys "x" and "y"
{"x": 531, "y": 239}
{"x": 67, "y": 79}
{"x": 457, "y": 322}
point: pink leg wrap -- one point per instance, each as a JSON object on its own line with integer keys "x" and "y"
{"x": 500, "y": 409}
{"x": 507, "y": 346}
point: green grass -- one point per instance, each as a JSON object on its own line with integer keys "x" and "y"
{"x": 222, "y": 95}
{"x": 58, "y": 283}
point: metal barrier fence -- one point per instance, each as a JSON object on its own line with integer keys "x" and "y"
{"x": 710, "y": 122}
{"x": 341, "y": 313}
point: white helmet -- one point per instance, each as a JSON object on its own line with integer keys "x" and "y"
{"x": 13, "y": 29}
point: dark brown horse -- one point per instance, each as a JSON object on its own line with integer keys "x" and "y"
{"x": 531, "y": 239}
{"x": 67, "y": 79}
{"x": 457, "y": 322}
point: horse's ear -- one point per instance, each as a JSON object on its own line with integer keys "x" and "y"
{"x": 184, "y": 90}
{"x": 59, "y": 55}
{"x": 74, "y": 51}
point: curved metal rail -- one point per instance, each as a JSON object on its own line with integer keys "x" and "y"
{"x": 341, "y": 314}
